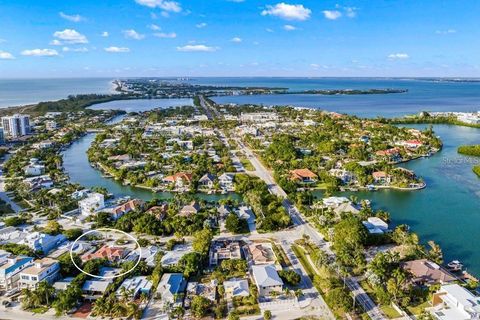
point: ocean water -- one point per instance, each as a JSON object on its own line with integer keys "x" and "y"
{"x": 422, "y": 95}
{"x": 17, "y": 92}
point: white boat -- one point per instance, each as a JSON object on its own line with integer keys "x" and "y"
{"x": 455, "y": 265}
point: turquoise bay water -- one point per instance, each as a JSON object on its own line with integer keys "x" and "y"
{"x": 448, "y": 210}
{"x": 76, "y": 164}
{"x": 421, "y": 96}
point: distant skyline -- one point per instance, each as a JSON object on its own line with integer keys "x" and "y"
{"x": 299, "y": 38}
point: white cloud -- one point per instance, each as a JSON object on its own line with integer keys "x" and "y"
{"x": 166, "y": 5}
{"x": 132, "y": 34}
{"x": 288, "y": 11}
{"x": 73, "y": 17}
{"x": 117, "y": 49}
{"x": 55, "y": 42}
{"x": 269, "y": 30}
{"x": 236, "y": 39}
{"x": 315, "y": 65}
{"x": 448, "y": 31}
{"x": 197, "y": 48}
{"x": 398, "y": 56}
{"x": 4, "y": 55}
{"x": 40, "y": 52}
{"x": 350, "y": 12}
{"x": 201, "y": 25}
{"x": 154, "y": 27}
{"x": 68, "y": 49}
{"x": 105, "y": 34}
{"x": 169, "y": 35}
{"x": 70, "y": 36}
{"x": 289, "y": 27}
{"x": 332, "y": 14}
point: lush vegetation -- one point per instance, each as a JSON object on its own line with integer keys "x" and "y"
{"x": 268, "y": 208}
{"x": 473, "y": 150}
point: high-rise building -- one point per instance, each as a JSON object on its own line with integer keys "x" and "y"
{"x": 16, "y": 126}
{"x": 2, "y": 137}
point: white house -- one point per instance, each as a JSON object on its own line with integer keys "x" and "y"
{"x": 135, "y": 286}
{"x": 236, "y": 288}
{"x": 10, "y": 271}
{"x": 43, "y": 242}
{"x": 171, "y": 287}
{"x": 92, "y": 203}
{"x": 375, "y": 225}
{"x": 226, "y": 182}
{"x": 267, "y": 279}
{"x": 45, "y": 269}
{"x": 453, "y": 302}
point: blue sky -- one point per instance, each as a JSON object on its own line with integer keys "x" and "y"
{"x": 239, "y": 38}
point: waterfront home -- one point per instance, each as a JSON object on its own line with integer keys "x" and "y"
{"x": 180, "y": 179}
{"x": 43, "y": 242}
{"x": 344, "y": 175}
{"x": 190, "y": 209}
{"x": 207, "y": 181}
{"x": 223, "y": 250}
{"x": 171, "y": 288}
{"x": 454, "y": 302}
{"x": 120, "y": 158}
{"x": 45, "y": 269}
{"x": 80, "y": 194}
{"x": 10, "y": 269}
{"x": 261, "y": 253}
{"x": 334, "y": 202}
{"x": 381, "y": 177}
{"x": 92, "y": 203}
{"x": 375, "y": 225}
{"x": 126, "y": 207}
{"x": 112, "y": 254}
{"x": 226, "y": 182}
{"x": 412, "y": 144}
{"x": 346, "y": 207}
{"x": 134, "y": 287}
{"x": 470, "y": 118}
{"x": 223, "y": 211}
{"x": 267, "y": 279}
{"x": 303, "y": 176}
{"x": 38, "y": 182}
{"x": 426, "y": 272}
{"x": 392, "y": 154}
{"x": 236, "y": 288}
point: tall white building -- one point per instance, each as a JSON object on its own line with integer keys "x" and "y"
{"x": 16, "y": 126}
{"x": 92, "y": 203}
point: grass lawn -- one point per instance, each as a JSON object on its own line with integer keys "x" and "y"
{"x": 388, "y": 310}
{"x": 416, "y": 310}
{"x": 247, "y": 164}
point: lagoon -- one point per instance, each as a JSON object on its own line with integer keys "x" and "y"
{"x": 77, "y": 166}
{"x": 448, "y": 209}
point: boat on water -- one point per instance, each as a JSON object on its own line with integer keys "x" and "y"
{"x": 455, "y": 266}
{"x": 371, "y": 187}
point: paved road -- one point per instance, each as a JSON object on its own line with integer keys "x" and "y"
{"x": 302, "y": 227}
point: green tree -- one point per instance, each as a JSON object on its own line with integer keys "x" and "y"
{"x": 201, "y": 240}
{"x": 200, "y": 306}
